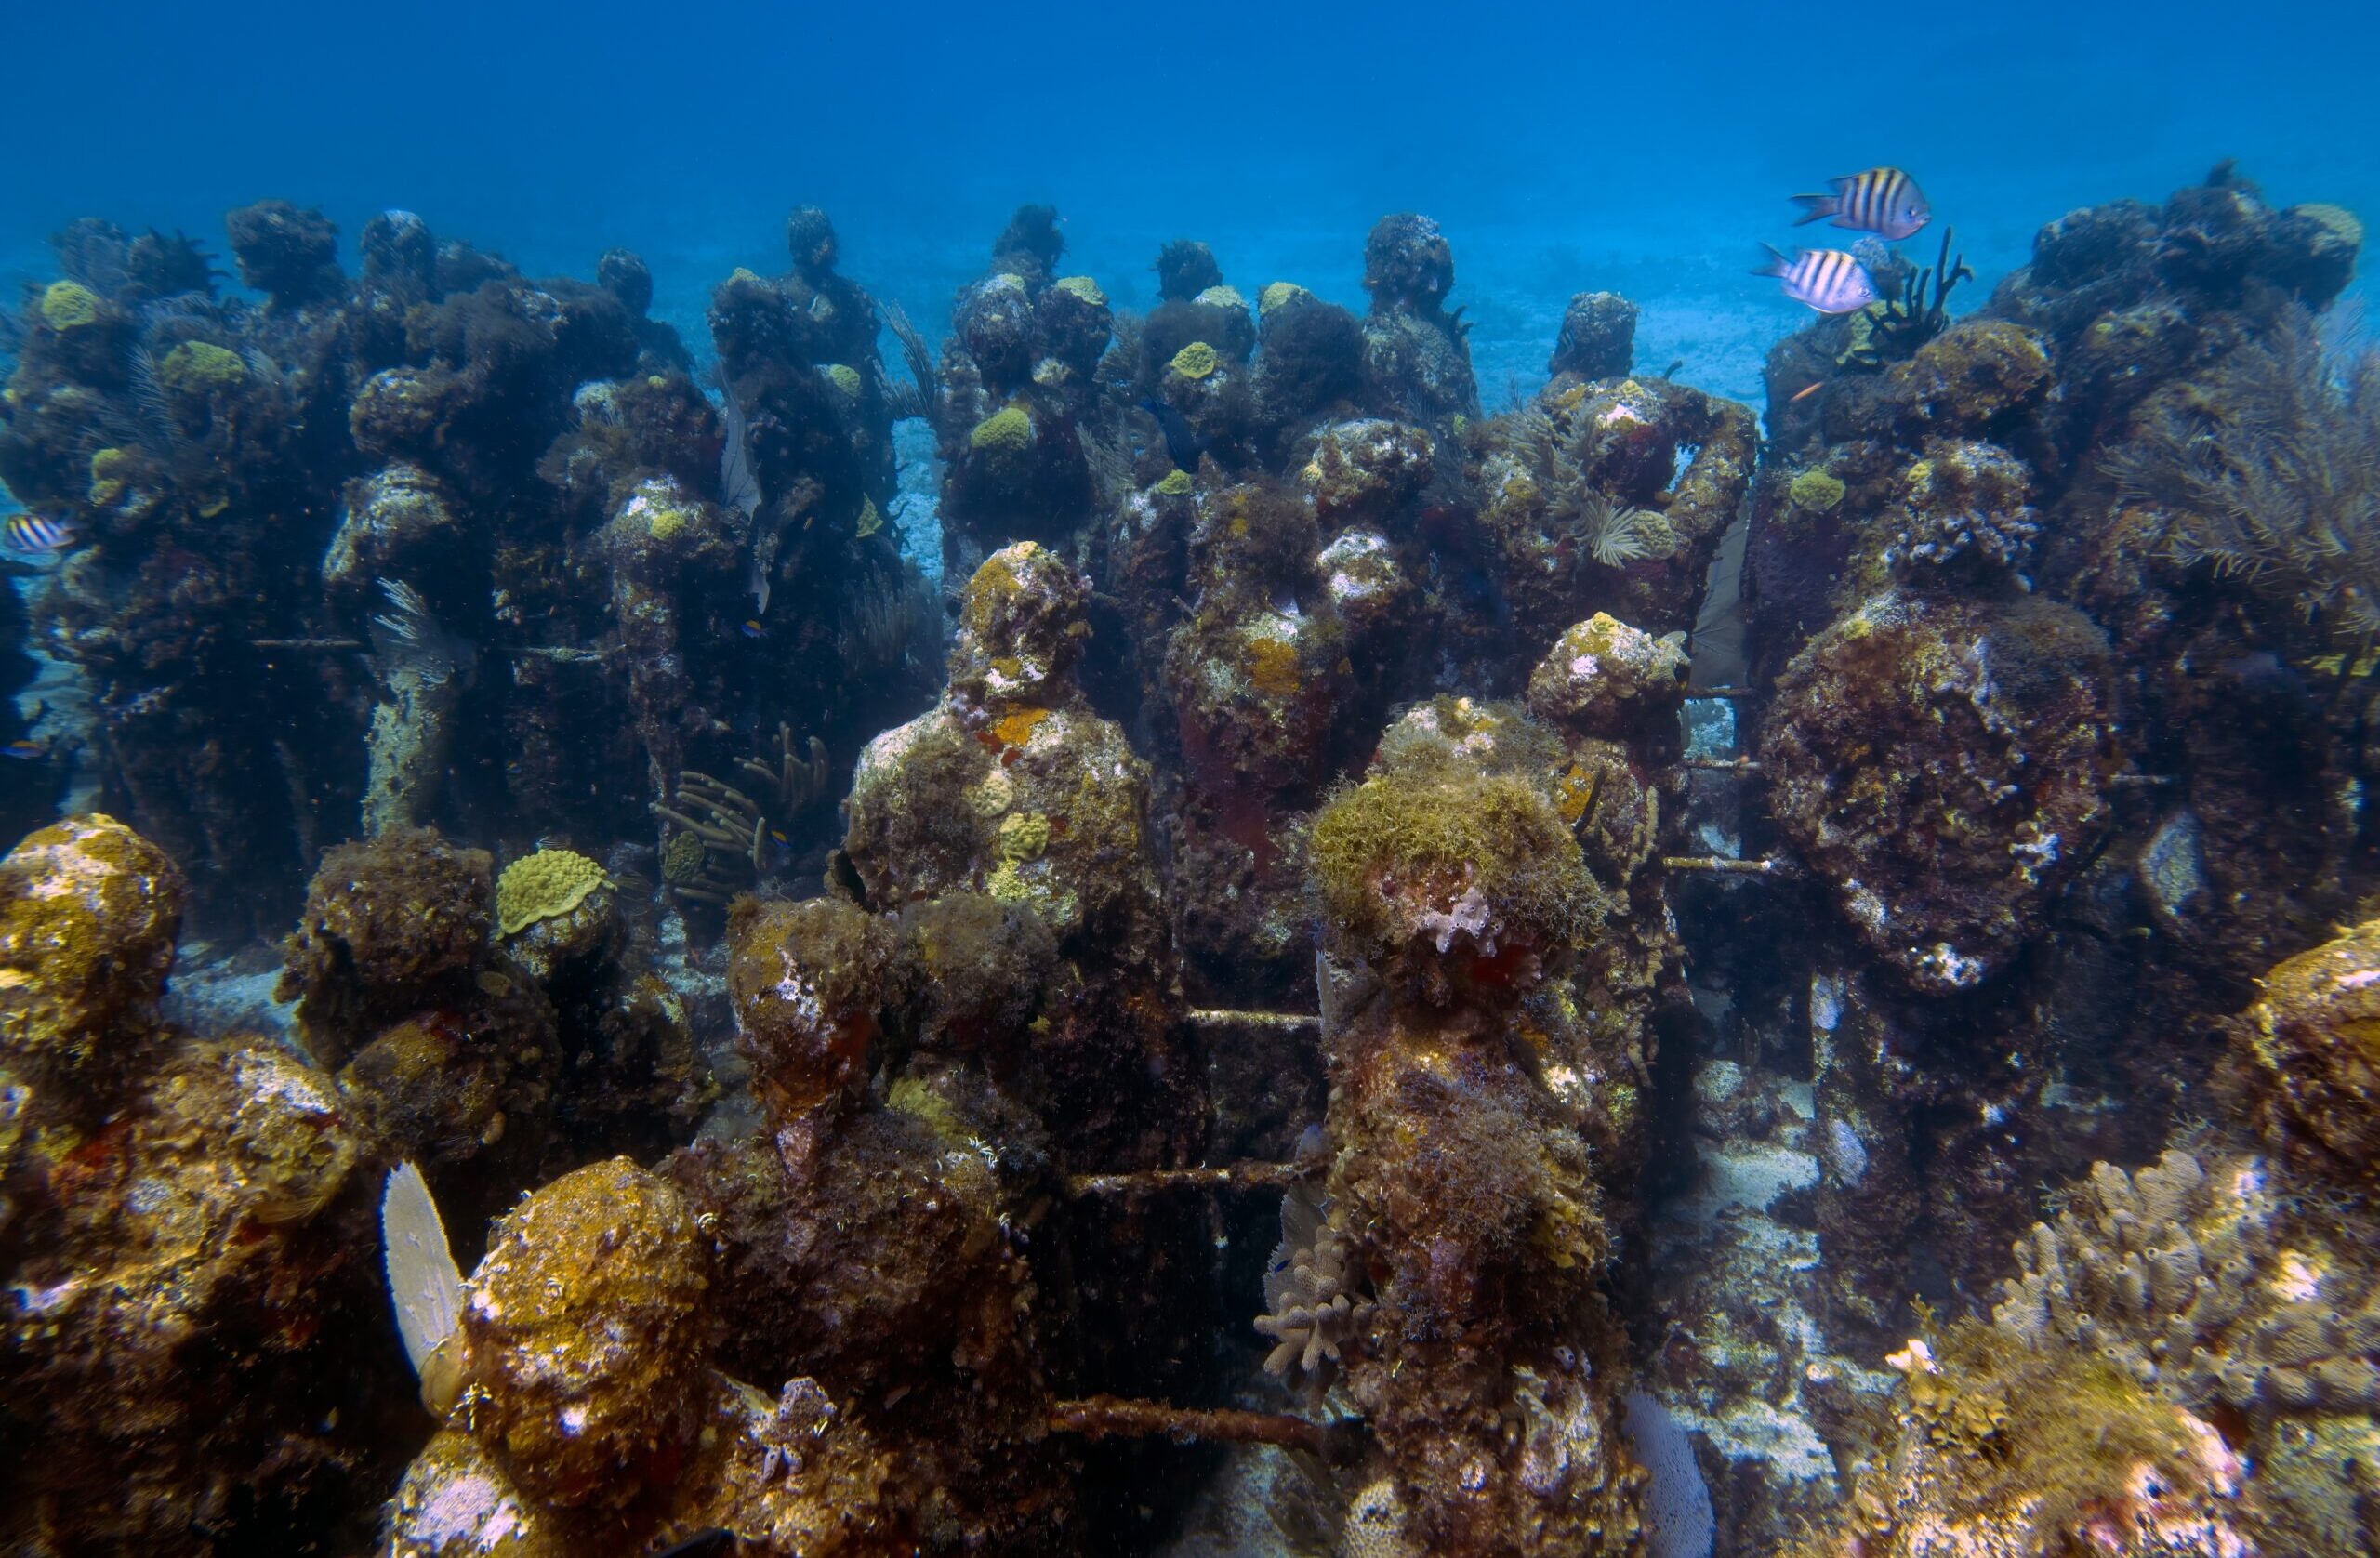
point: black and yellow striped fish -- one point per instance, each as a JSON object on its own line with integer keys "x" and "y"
{"x": 1884, "y": 201}
{"x": 32, "y": 533}
{"x": 1828, "y": 280}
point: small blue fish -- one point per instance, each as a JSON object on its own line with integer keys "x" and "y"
{"x": 33, "y": 532}
{"x": 752, "y": 628}
{"x": 1884, "y": 201}
{"x": 1827, "y": 280}
{"x": 24, "y": 750}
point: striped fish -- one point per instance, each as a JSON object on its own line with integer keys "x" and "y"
{"x": 1884, "y": 201}
{"x": 1828, "y": 280}
{"x": 32, "y": 533}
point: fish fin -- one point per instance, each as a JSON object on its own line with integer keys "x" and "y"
{"x": 1778, "y": 264}
{"x": 1817, "y": 206}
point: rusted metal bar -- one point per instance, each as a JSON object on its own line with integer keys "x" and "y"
{"x": 1225, "y": 1017}
{"x": 1105, "y": 1416}
{"x": 1723, "y": 865}
{"x": 1231, "y": 1176}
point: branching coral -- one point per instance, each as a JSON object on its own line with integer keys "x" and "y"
{"x": 1309, "y": 1311}
{"x": 1893, "y": 330}
{"x": 2186, "y": 1277}
{"x": 2269, "y": 471}
{"x": 730, "y": 828}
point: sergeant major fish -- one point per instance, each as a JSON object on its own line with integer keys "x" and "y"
{"x": 1827, "y": 280}
{"x": 1884, "y": 201}
{"x": 36, "y": 535}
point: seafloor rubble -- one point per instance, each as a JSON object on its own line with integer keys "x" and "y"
{"x": 1792, "y": 987}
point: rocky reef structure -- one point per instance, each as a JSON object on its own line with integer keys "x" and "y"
{"x": 1898, "y": 1084}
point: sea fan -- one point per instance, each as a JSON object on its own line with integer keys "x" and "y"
{"x": 424, "y": 1283}
{"x": 737, "y": 486}
{"x": 919, "y": 397}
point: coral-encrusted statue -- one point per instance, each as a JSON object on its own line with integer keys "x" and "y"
{"x": 1454, "y": 889}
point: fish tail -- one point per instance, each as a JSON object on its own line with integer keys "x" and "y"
{"x": 1776, "y": 264}
{"x": 1815, "y": 207}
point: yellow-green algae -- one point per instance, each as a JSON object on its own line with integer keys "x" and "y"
{"x": 1008, "y": 430}
{"x": 1280, "y": 294}
{"x": 69, "y": 306}
{"x": 110, "y": 471}
{"x": 1815, "y": 491}
{"x": 1196, "y": 360}
{"x": 543, "y": 885}
{"x": 1410, "y": 840}
{"x": 1223, "y": 298}
{"x": 1083, "y": 287}
{"x": 1174, "y": 484}
{"x": 199, "y": 368}
{"x": 843, "y": 376}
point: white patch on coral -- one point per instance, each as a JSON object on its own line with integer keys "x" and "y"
{"x": 1845, "y": 1154}
{"x": 1583, "y": 667}
{"x": 282, "y": 1082}
{"x": 2298, "y": 1280}
{"x": 474, "y": 1509}
{"x": 883, "y": 754}
{"x": 1826, "y": 1002}
{"x": 1945, "y": 964}
{"x": 799, "y": 992}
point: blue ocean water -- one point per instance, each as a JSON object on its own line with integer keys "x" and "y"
{"x": 1647, "y": 150}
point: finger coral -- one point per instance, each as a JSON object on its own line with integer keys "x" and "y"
{"x": 1311, "y": 1312}
{"x": 2187, "y": 1276}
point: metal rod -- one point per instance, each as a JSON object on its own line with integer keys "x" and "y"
{"x": 1722, "y": 865}
{"x": 1223, "y": 1017}
{"x": 1251, "y": 1175}
{"x": 1102, "y": 1417}
{"x": 1723, "y": 765}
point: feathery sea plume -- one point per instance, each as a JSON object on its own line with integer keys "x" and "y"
{"x": 2267, "y": 470}
{"x": 1618, "y": 534}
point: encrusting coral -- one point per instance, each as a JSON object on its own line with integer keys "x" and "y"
{"x": 2188, "y": 1277}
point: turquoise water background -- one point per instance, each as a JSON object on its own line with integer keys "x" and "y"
{"x": 1644, "y": 149}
